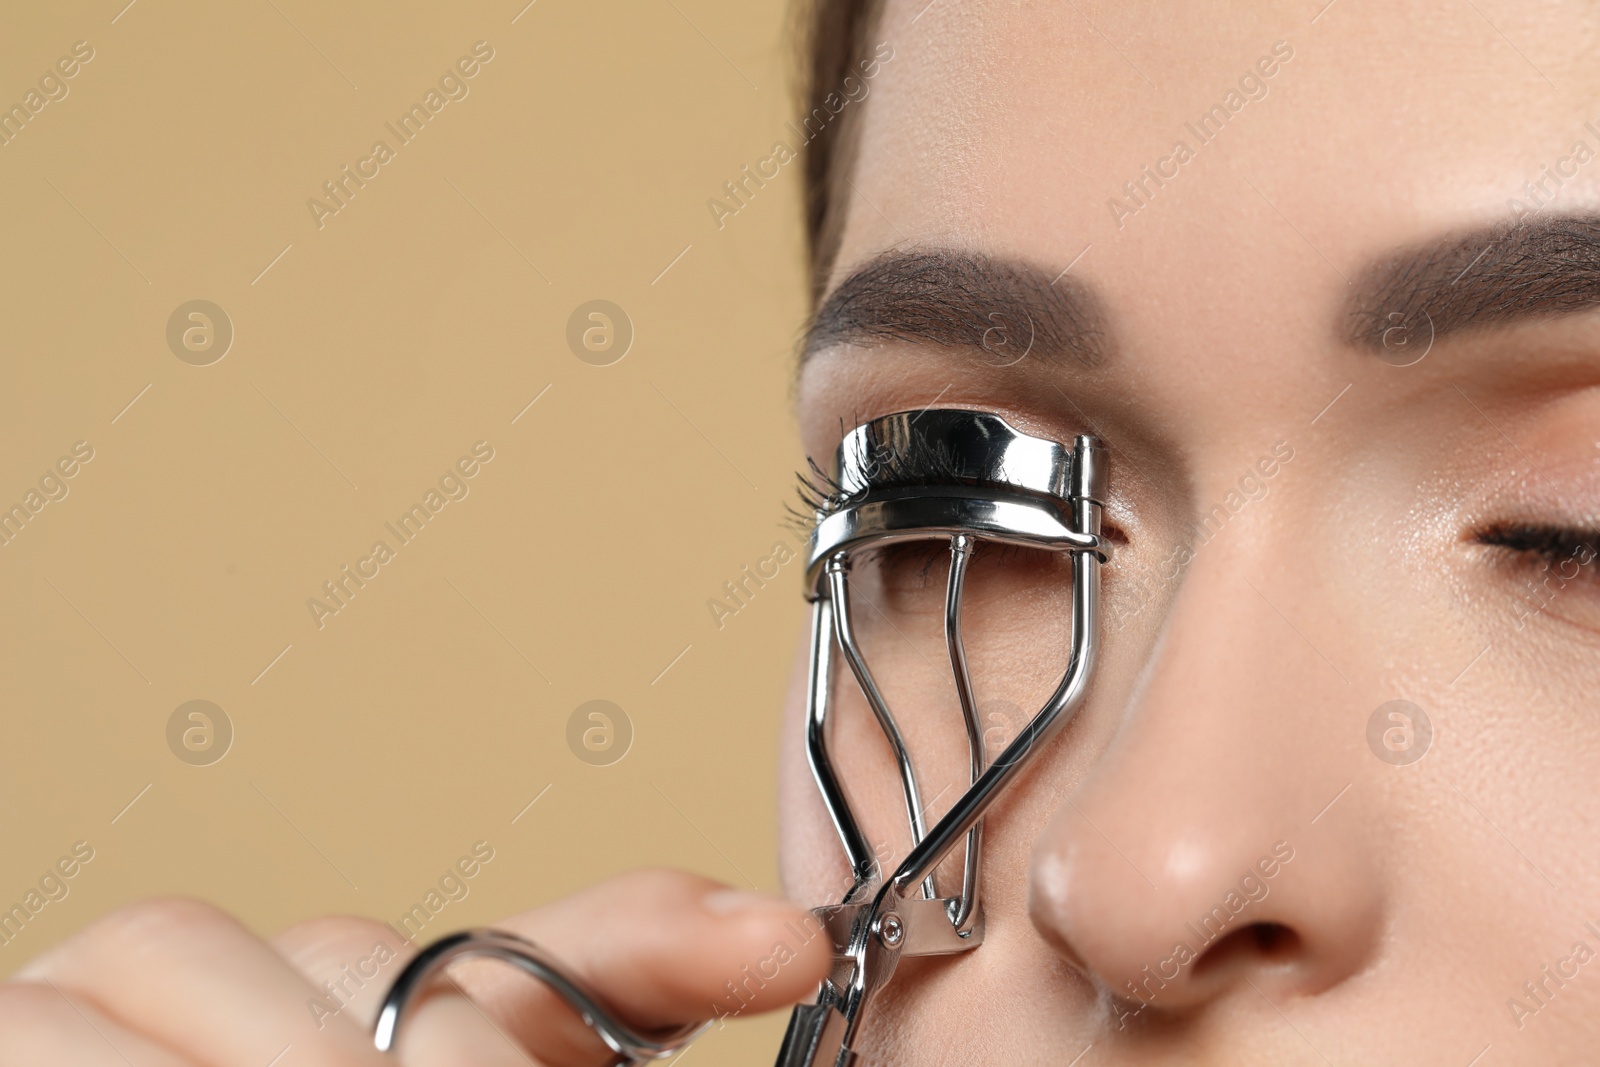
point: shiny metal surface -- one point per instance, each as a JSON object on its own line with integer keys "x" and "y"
{"x": 863, "y": 864}
{"x": 429, "y": 964}
{"x": 967, "y": 477}
{"x": 844, "y": 633}
{"x": 948, "y": 513}
{"x": 961, "y": 546}
{"x": 950, "y": 446}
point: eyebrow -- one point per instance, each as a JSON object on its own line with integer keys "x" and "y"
{"x": 1494, "y": 276}
{"x": 963, "y": 300}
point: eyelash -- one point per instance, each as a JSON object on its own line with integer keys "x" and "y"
{"x": 815, "y": 488}
{"x": 1545, "y": 545}
{"x": 1542, "y": 542}
{"x": 916, "y": 465}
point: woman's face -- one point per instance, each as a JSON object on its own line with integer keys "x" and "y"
{"x": 1354, "y": 424}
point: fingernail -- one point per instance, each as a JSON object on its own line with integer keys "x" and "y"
{"x": 36, "y": 969}
{"x": 734, "y": 902}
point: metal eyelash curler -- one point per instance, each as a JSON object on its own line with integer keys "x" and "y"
{"x": 970, "y": 477}
{"x": 430, "y": 963}
{"x": 965, "y": 476}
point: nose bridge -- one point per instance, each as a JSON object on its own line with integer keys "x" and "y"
{"x": 1222, "y": 710}
{"x": 1191, "y": 842}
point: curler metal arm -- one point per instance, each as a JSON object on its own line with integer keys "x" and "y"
{"x": 963, "y": 475}
{"x": 880, "y": 922}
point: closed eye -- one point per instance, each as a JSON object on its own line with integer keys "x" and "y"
{"x": 1543, "y": 543}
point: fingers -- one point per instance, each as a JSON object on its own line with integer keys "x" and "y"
{"x": 192, "y": 978}
{"x": 175, "y": 983}
{"x": 352, "y": 962}
{"x": 662, "y": 948}
{"x": 39, "y": 1024}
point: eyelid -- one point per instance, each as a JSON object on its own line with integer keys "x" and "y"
{"x": 1552, "y": 541}
{"x": 1550, "y": 568}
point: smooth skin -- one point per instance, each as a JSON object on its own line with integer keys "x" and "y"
{"x": 1226, "y": 732}
{"x": 1409, "y": 906}
{"x": 178, "y": 983}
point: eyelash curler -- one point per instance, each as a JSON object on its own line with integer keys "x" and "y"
{"x": 969, "y": 477}
{"x": 938, "y": 474}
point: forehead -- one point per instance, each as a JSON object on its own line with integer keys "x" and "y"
{"x": 1153, "y": 136}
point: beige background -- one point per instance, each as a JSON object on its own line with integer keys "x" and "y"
{"x": 372, "y": 353}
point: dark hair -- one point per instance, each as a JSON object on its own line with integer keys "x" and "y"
{"x": 835, "y": 39}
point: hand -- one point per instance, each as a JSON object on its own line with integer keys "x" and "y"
{"x": 178, "y": 983}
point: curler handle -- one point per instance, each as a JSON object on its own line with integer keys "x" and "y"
{"x": 815, "y": 1038}
{"x": 429, "y": 964}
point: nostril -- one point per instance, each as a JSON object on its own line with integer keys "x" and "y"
{"x": 1275, "y": 941}
{"x": 1256, "y": 944}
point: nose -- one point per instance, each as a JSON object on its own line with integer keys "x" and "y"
{"x": 1201, "y": 858}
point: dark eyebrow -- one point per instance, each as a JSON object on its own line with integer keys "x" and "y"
{"x": 1494, "y": 276}
{"x": 956, "y": 299}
